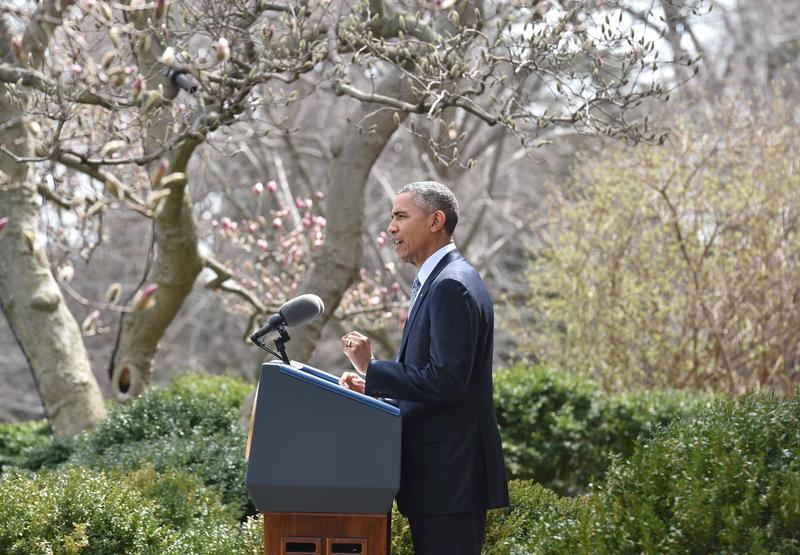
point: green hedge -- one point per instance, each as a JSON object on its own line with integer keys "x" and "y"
{"x": 724, "y": 481}
{"x": 79, "y": 510}
{"x": 563, "y": 431}
{"x": 32, "y": 445}
{"x": 165, "y": 474}
{"x": 536, "y": 517}
{"x": 192, "y": 424}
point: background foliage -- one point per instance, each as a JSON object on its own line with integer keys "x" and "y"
{"x": 562, "y": 430}
{"x": 670, "y": 474}
{"x": 678, "y": 266}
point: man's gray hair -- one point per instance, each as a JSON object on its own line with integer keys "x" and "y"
{"x": 432, "y": 196}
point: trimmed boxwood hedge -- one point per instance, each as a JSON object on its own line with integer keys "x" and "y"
{"x": 726, "y": 480}
{"x": 192, "y": 424}
{"x": 79, "y": 510}
{"x": 563, "y": 431}
{"x": 165, "y": 474}
{"x": 723, "y": 480}
{"x": 536, "y": 517}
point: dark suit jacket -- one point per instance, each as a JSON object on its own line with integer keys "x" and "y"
{"x": 452, "y": 459}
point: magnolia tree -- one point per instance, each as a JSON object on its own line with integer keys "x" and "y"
{"x": 105, "y": 105}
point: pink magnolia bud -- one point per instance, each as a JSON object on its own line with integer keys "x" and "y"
{"x": 300, "y": 203}
{"x": 223, "y": 50}
{"x": 272, "y": 186}
{"x": 144, "y": 299}
{"x": 161, "y": 171}
{"x": 262, "y": 244}
{"x": 138, "y": 87}
{"x": 19, "y": 50}
{"x": 309, "y": 203}
{"x": 150, "y": 289}
{"x": 77, "y": 69}
{"x": 277, "y": 223}
{"x": 306, "y": 222}
{"x": 320, "y": 195}
{"x": 258, "y": 188}
{"x": 381, "y": 241}
{"x": 3, "y": 223}
{"x": 252, "y": 227}
{"x": 321, "y": 222}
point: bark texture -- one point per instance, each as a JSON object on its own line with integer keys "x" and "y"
{"x": 177, "y": 262}
{"x": 30, "y": 296}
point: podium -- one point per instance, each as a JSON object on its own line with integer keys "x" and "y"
{"x": 324, "y": 463}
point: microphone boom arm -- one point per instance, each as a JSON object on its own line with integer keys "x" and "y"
{"x": 279, "y": 343}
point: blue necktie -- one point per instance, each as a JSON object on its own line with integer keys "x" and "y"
{"x": 413, "y": 297}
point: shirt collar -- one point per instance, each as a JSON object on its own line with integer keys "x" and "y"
{"x": 431, "y": 262}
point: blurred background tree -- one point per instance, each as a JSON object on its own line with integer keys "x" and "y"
{"x": 678, "y": 266}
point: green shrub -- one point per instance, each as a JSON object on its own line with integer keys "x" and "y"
{"x": 78, "y": 510}
{"x": 31, "y": 445}
{"x": 537, "y": 521}
{"x": 196, "y": 404}
{"x": 245, "y": 539}
{"x": 562, "y": 430}
{"x": 192, "y": 424}
{"x": 724, "y": 481}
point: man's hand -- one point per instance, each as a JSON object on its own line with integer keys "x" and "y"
{"x": 353, "y": 382}
{"x": 356, "y": 347}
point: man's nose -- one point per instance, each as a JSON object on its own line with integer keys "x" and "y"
{"x": 392, "y": 229}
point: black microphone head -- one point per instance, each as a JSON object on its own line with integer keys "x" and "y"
{"x": 301, "y": 310}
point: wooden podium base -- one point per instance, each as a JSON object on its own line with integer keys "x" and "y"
{"x": 325, "y": 534}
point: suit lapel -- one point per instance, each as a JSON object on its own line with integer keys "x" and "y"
{"x": 448, "y": 258}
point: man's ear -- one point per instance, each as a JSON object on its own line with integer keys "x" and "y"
{"x": 438, "y": 221}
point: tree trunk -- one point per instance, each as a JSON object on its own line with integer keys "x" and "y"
{"x": 337, "y": 263}
{"x": 177, "y": 262}
{"x": 176, "y": 267}
{"x": 29, "y": 295}
{"x": 32, "y": 300}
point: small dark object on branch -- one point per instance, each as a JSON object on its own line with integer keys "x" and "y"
{"x": 181, "y": 79}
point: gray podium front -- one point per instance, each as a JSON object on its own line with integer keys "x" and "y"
{"x": 317, "y": 448}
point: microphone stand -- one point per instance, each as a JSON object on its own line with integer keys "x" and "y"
{"x": 279, "y": 344}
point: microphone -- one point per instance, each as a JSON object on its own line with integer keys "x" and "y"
{"x": 298, "y": 311}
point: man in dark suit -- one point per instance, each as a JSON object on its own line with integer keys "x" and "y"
{"x": 452, "y": 467}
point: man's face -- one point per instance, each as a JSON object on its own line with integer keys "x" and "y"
{"x": 411, "y": 232}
